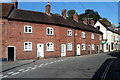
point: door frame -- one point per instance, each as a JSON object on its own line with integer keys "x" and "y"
{"x": 43, "y": 49}
{"x": 98, "y": 49}
{"x": 90, "y": 48}
{"x": 61, "y": 50}
{"x": 77, "y": 48}
{"x": 14, "y": 52}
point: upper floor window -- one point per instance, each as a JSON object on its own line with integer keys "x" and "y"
{"x": 100, "y": 37}
{"x": 69, "y": 32}
{"x": 92, "y": 36}
{"x": 93, "y": 47}
{"x": 50, "y": 46}
{"x": 83, "y": 46}
{"x": 98, "y": 27}
{"x": 83, "y": 34}
{"x": 27, "y": 29}
{"x": 50, "y": 31}
{"x": 27, "y": 46}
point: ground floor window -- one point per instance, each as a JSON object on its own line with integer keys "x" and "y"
{"x": 27, "y": 46}
{"x": 69, "y": 46}
{"x": 83, "y": 46}
{"x": 50, "y": 46}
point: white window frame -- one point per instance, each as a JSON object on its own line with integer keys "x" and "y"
{"x": 51, "y": 47}
{"x": 69, "y": 32}
{"x": 28, "y": 27}
{"x": 69, "y": 46}
{"x": 93, "y": 47}
{"x": 83, "y": 35}
{"x": 29, "y": 48}
{"x": 50, "y": 31}
{"x": 92, "y": 36}
{"x": 83, "y": 47}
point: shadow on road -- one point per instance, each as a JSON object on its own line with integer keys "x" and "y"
{"x": 107, "y": 71}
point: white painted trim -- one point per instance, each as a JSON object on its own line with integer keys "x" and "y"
{"x": 52, "y": 31}
{"x": 70, "y": 31}
{"x": 14, "y": 52}
{"x": 27, "y": 26}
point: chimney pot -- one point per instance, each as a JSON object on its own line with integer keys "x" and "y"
{"x": 85, "y": 20}
{"x": 15, "y": 2}
{"x": 92, "y": 22}
{"x": 75, "y": 17}
{"x": 64, "y": 13}
{"x": 48, "y": 6}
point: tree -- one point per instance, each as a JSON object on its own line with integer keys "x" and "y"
{"x": 104, "y": 20}
{"x": 89, "y": 13}
{"x": 71, "y": 13}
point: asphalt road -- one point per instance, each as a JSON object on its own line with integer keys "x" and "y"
{"x": 87, "y": 66}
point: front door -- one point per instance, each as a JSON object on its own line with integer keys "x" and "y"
{"x": 11, "y": 53}
{"x": 89, "y": 49}
{"x": 40, "y": 50}
{"x": 78, "y": 49}
{"x": 63, "y": 50}
{"x": 97, "y": 49}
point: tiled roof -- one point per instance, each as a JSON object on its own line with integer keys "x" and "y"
{"x": 40, "y": 17}
{"x": 6, "y": 9}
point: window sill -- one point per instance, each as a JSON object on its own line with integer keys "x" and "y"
{"x": 27, "y": 50}
{"x": 27, "y": 33}
{"x": 50, "y": 51}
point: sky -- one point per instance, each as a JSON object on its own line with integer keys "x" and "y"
{"x": 107, "y": 10}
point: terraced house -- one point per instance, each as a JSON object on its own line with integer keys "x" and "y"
{"x": 31, "y": 35}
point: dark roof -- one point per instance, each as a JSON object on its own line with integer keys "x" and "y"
{"x": 6, "y": 9}
{"x": 40, "y": 17}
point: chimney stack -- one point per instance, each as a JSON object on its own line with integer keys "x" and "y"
{"x": 15, "y": 2}
{"x": 64, "y": 13}
{"x": 75, "y": 17}
{"x": 85, "y": 20}
{"x": 92, "y": 22}
{"x": 48, "y": 6}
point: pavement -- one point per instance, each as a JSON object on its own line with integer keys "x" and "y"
{"x": 85, "y": 66}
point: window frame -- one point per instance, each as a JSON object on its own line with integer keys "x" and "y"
{"x": 50, "y": 48}
{"x": 92, "y": 36}
{"x": 69, "y": 46}
{"x": 50, "y": 31}
{"x": 83, "y": 34}
{"x": 27, "y": 28}
{"x": 83, "y": 47}
{"x": 27, "y": 46}
{"x": 68, "y": 33}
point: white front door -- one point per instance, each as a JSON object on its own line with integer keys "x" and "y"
{"x": 63, "y": 50}
{"x": 40, "y": 50}
{"x": 78, "y": 49}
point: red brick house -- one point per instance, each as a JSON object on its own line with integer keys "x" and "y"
{"x": 30, "y": 34}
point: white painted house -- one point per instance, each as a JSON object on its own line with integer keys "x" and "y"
{"x": 110, "y": 38}
{"x": 103, "y": 29}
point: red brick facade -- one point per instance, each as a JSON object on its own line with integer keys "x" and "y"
{"x": 13, "y": 35}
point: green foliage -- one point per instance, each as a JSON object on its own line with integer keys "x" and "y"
{"x": 91, "y": 14}
{"x": 71, "y": 13}
{"x": 104, "y": 20}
